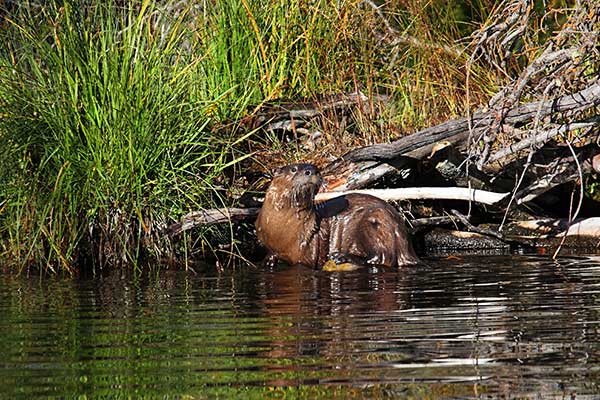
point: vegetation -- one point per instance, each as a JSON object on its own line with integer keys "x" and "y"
{"x": 118, "y": 117}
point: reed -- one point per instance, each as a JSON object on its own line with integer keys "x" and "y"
{"x": 115, "y": 117}
{"x": 103, "y": 133}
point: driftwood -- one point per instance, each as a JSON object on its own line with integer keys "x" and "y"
{"x": 232, "y": 215}
{"x": 436, "y": 193}
{"x": 211, "y": 217}
{"x": 368, "y": 164}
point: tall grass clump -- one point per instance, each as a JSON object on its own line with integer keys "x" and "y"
{"x": 102, "y": 133}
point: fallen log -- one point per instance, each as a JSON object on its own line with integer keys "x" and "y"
{"x": 422, "y": 193}
{"x": 368, "y": 164}
{"x": 232, "y": 215}
{"x": 211, "y": 217}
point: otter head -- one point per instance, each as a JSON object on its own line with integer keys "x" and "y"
{"x": 304, "y": 181}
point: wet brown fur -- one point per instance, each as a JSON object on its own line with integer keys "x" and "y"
{"x": 357, "y": 227}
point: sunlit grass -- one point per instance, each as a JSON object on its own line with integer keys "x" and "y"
{"x": 104, "y": 133}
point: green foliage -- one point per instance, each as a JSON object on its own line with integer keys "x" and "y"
{"x": 592, "y": 186}
{"x": 103, "y": 132}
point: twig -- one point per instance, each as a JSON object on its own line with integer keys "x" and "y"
{"x": 516, "y": 188}
{"x": 473, "y": 228}
{"x": 572, "y": 215}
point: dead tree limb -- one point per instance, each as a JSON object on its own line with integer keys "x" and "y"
{"x": 211, "y": 217}
{"x": 420, "y": 193}
{"x": 233, "y": 215}
{"x": 542, "y": 137}
{"x": 379, "y": 160}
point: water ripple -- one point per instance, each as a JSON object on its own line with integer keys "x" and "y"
{"x": 512, "y": 326}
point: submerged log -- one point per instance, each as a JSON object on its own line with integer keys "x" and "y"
{"x": 452, "y": 242}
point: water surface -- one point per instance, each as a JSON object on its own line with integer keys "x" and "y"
{"x": 473, "y": 327}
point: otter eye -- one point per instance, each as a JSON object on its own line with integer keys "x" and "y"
{"x": 307, "y": 172}
{"x": 294, "y": 169}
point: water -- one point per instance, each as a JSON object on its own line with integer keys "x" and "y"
{"x": 475, "y": 327}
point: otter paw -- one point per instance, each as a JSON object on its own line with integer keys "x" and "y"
{"x": 271, "y": 261}
{"x": 333, "y": 266}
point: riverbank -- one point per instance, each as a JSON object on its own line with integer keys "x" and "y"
{"x": 118, "y": 119}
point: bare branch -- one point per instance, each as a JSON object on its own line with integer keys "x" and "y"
{"x": 542, "y": 137}
{"x": 420, "y": 193}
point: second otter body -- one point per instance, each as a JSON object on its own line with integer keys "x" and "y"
{"x": 356, "y": 227}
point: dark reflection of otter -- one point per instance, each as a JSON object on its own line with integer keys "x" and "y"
{"x": 358, "y": 228}
{"x": 321, "y": 314}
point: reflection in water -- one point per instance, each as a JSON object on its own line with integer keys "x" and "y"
{"x": 476, "y": 327}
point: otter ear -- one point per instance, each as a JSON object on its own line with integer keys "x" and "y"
{"x": 277, "y": 171}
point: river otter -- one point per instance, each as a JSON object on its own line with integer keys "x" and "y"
{"x": 355, "y": 228}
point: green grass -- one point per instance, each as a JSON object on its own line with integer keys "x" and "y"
{"x": 106, "y": 132}
{"x": 116, "y": 117}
